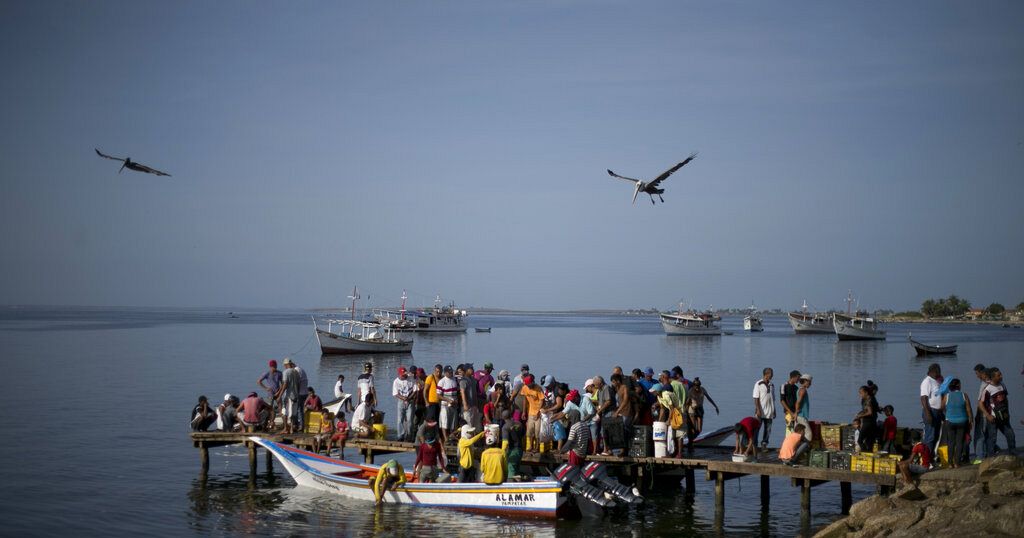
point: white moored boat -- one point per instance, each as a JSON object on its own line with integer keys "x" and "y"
{"x": 804, "y": 322}
{"x": 544, "y": 498}
{"x": 854, "y": 326}
{"x": 690, "y": 323}
{"x": 436, "y": 319}
{"x": 752, "y": 322}
{"x": 348, "y": 336}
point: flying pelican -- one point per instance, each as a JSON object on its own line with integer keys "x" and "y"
{"x": 651, "y": 188}
{"x": 131, "y": 165}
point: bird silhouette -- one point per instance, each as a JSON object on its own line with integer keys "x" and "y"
{"x": 651, "y": 187}
{"x": 132, "y": 165}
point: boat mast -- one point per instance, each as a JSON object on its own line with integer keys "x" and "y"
{"x": 849, "y": 302}
{"x": 805, "y": 306}
{"x": 404, "y": 297}
{"x": 354, "y": 296}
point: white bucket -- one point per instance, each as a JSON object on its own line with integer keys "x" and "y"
{"x": 660, "y": 449}
{"x": 660, "y": 431}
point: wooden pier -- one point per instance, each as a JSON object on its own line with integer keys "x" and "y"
{"x": 716, "y": 462}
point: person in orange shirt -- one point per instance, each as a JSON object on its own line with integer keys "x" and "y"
{"x": 433, "y": 401}
{"x": 794, "y": 446}
{"x": 533, "y": 397}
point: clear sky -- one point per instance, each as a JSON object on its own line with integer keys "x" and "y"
{"x": 460, "y": 148}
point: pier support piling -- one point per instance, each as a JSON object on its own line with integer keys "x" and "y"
{"x": 719, "y": 490}
{"x": 270, "y": 461}
{"x": 805, "y": 495}
{"x": 765, "y": 492}
{"x": 204, "y": 457}
{"x": 690, "y": 482}
{"x": 847, "y": 497}
{"x": 252, "y": 458}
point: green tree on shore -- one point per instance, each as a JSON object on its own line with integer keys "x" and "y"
{"x": 950, "y": 306}
{"x": 996, "y": 309}
{"x": 1020, "y": 306}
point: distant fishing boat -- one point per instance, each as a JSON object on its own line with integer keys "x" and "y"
{"x": 690, "y": 323}
{"x": 752, "y": 322}
{"x": 856, "y": 327}
{"x": 804, "y": 322}
{"x": 925, "y": 349}
{"x": 483, "y": 329}
{"x": 437, "y": 319}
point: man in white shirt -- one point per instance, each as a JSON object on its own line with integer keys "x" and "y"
{"x": 931, "y": 403}
{"x": 362, "y": 418}
{"x": 365, "y": 384}
{"x": 764, "y": 404}
{"x": 447, "y": 389}
{"x": 402, "y": 389}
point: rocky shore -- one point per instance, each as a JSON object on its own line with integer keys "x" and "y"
{"x": 979, "y": 500}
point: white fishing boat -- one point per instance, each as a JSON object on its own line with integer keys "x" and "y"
{"x": 348, "y": 336}
{"x": 690, "y": 323}
{"x": 440, "y": 318}
{"x": 804, "y": 322}
{"x": 542, "y": 498}
{"x": 851, "y": 326}
{"x": 752, "y": 322}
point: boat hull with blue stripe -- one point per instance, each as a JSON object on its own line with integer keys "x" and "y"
{"x": 544, "y": 499}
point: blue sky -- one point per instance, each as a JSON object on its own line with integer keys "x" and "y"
{"x": 460, "y": 148}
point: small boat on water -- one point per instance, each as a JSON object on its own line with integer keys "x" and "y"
{"x": 348, "y": 336}
{"x": 856, "y": 326}
{"x": 752, "y": 322}
{"x": 482, "y": 329}
{"x": 804, "y": 322}
{"x": 690, "y": 323}
{"x": 546, "y": 498}
{"x": 925, "y": 349}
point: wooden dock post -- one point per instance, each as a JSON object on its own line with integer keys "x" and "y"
{"x": 251, "y": 446}
{"x": 690, "y": 482}
{"x": 368, "y": 456}
{"x": 847, "y": 497}
{"x": 765, "y": 492}
{"x": 270, "y": 461}
{"x": 805, "y": 495}
{"x": 719, "y": 490}
{"x": 204, "y": 457}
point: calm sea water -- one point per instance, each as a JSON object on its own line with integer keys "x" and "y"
{"x": 96, "y": 405}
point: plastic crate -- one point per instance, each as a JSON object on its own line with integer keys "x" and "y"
{"x": 820, "y": 458}
{"x": 888, "y": 464}
{"x": 831, "y": 436}
{"x": 862, "y": 463}
{"x": 641, "y": 434}
{"x": 846, "y": 438}
{"x": 840, "y": 461}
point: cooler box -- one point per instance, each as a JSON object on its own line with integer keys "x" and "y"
{"x": 819, "y": 458}
{"x": 614, "y": 435}
{"x": 862, "y": 463}
{"x": 312, "y": 421}
{"x": 840, "y": 461}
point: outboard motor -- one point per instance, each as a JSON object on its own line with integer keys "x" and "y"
{"x": 588, "y": 498}
{"x": 597, "y": 474}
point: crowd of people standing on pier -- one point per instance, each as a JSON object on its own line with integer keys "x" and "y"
{"x": 462, "y": 405}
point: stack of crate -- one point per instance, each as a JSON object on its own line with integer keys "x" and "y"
{"x": 840, "y": 460}
{"x": 886, "y": 464}
{"x": 816, "y": 443}
{"x": 831, "y": 436}
{"x": 846, "y": 438}
{"x": 863, "y": 462}
{"x": 642, "y": 444}
{"x": 820, "y": 458}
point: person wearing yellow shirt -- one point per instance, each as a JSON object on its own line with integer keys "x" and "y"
{"x": 389, "y": 477}
{"x": 466, "y": 470}
{"x": 493, "y": 463}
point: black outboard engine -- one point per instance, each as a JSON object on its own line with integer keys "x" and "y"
{"x": 589, "y": 499}
{"x": 597, "y": 474}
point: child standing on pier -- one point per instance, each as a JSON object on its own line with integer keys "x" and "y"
{"x": 340, "y": 435}
{"x": 889, "y": 430}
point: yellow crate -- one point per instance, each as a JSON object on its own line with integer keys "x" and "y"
{"x": 863, "y": 462}
{"x": 313, "y": 421}
{"x": 380, "y": 431}
{"x": 887, "y": 464}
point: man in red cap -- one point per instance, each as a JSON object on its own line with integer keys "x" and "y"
{"x": 271, "y": 382}
{"x": 402, "y": 388}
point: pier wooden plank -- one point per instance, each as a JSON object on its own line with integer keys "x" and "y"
{"x": 809, "y": 473}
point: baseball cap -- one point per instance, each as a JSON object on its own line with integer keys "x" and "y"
{"x": 524, "y": 367}
{"x": 288, "y": 360}
{"x": 272, "y": 363}
{"x": 367, "y": 366}
{"x": 587, "y": 384}
{"x": 807, "y": 377}
{"x": 488, "y": 365}
{"x": 401, "y": 371}
{"x": 228, "y": 396}
{"x": 649, "y": 371}
{"x": 448, "y": 368}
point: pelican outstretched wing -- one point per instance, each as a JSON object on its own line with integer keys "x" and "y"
{"x": 613, "y": 174}
{"x": 105, "y": 156}
{"x": 664, "y": 175}
{"x": 148, "y": 170}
